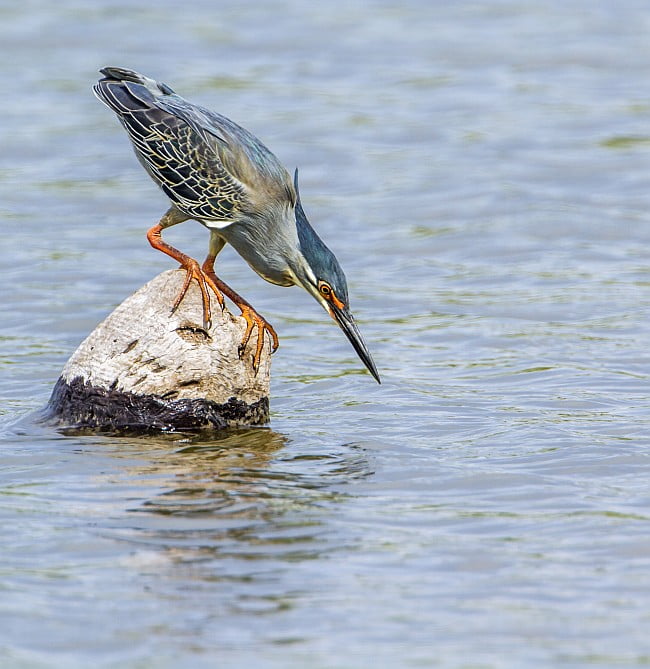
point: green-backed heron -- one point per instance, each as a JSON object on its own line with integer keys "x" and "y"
{"x": 218, "y": 173}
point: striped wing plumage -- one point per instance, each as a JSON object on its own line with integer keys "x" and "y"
{"x": 179, "y": 145}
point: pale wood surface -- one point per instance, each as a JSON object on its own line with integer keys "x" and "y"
{"x": 142, "y": 348}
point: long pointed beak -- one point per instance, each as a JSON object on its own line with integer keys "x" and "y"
{"x": 344, "y": 318}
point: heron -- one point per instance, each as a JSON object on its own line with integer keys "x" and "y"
{"x": 219, "y": 174}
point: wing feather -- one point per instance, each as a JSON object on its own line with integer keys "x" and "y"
{"x": 177, "y": 151}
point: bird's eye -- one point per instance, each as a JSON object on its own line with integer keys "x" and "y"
{"x": 325, "y": 289}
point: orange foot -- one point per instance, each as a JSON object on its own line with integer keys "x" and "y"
{"x": 193, "y": 271}
{"x": 253, "y": 319}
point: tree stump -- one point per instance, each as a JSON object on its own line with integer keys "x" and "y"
{"x": 146, "y": 369}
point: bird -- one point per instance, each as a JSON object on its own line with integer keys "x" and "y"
{"x": 216, "y": 172}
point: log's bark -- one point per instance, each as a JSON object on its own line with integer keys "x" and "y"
{"x": 145, "y": 369}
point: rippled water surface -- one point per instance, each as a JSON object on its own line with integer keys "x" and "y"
{"x": 482, "y": 170}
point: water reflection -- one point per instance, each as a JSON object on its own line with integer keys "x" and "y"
{"x": 204, "y": 476}
{"x": 242, "y": 493}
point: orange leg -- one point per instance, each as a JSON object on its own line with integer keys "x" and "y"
{"x": 192, "y": 271}
{"x": 252, "y": 318}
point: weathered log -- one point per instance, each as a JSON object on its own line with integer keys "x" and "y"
{"x": 146, "y": 369}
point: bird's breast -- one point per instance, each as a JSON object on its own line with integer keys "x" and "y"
{"x": 278, "y": 279}
{"x": 263, "y": 249}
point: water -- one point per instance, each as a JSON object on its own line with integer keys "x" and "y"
{"x": 481, "y": 169}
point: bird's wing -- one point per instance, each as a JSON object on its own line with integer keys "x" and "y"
{"x": 241, "y": 154}
{"x": 179, "y": 148}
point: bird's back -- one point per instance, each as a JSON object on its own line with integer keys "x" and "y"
{"x": 211, "y": 168}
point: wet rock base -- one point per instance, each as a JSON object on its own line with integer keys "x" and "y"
{"x": 79, "y": 405}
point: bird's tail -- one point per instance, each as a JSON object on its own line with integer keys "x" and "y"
{"x": 126, "y": 90}
{"x": 122, "y": 74}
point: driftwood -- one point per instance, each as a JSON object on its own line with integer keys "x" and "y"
{"x": 145, "y": 369}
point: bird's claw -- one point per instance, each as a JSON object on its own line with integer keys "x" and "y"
{"x": 254, "y": 320}
{"x": 194, "y": 271}
{"x": 205, "y": 277}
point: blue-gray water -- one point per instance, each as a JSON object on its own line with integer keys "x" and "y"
{"x": 482, "y": 170}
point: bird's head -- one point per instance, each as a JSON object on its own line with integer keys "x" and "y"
{"x": 319, "y": 273}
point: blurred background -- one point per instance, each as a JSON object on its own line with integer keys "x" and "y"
{"x": 481, "y": 170}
